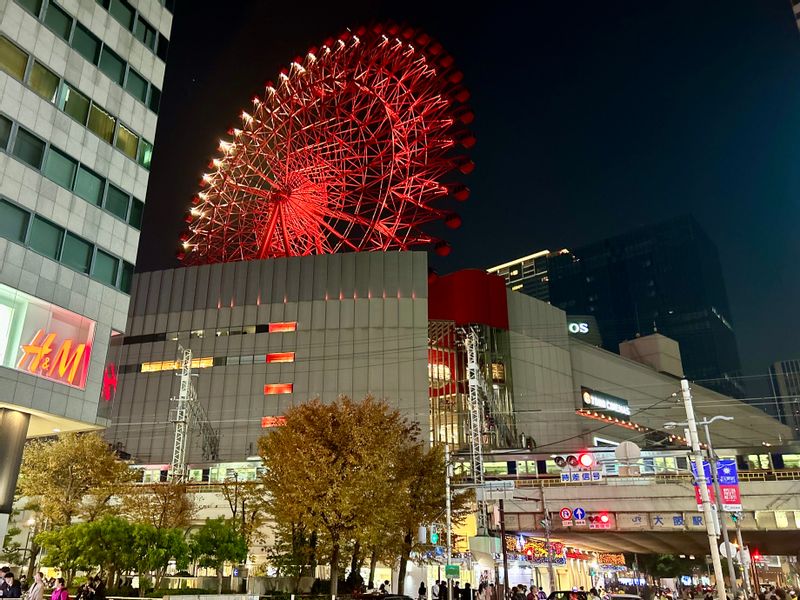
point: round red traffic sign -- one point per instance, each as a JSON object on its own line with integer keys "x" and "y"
{"x": 566, "y": 513}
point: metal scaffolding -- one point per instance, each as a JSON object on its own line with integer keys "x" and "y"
{"x": 189, "y": 414}
{"x": 478, "y": 392}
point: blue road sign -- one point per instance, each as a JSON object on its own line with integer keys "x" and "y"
{"x": 579, "y": 513}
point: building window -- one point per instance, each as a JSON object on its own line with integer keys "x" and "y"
{"x": 77, "y": 253}
{"x": 28, "y": 148}
{"x": 145, "y": 33}
{"x": 45, "y": 237}
{"x": 44, "y": 82}
{"x": 32, "y": 6}
{"x": 86, "y": 44}
{"x": 59, "y": 21}
{"x": 101, "y": 123}
{"x": 283, "y": 327}
{"x": 136, "y": 85}
{"x": 145, "y": 154}
{"x": 117, "y": 202}
{"x": 12, "y": 60}
{"x": 89, "y": 186}
{"x": 126, "y": 278}
{"x": 75, "y": 104}
{"x": 155, "y": 99}
{"x": 127, "y": 142}
{"x": 105, "y": 268}
{"x": 280, "y": 357}
{"x": 278, "y": 388}
{"x": 122, "y": 12}
{"x": 137, "y": 211}
{"x": 113, "y": 66}
{"x": 13, "y": 221}
{"x": 60, "y": 168}
{"x": 5, "y": 131}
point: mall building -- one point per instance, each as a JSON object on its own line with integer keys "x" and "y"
{"x": 272, "y": 333}
{"x": 80, "y": 85}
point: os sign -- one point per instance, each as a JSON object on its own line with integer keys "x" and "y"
{"x": 578, "y": 327}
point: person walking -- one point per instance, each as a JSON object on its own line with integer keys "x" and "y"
{"x": 60, "y": 591}
{"x": 422, "y": 593}
{"x": 36, "y": 591}
{"x": 10, "y": 587}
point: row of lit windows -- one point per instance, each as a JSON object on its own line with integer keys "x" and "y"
{"x": 209, "y": 361}
{"x": 148, "y": 338}
{"x": 67, "y": 172}
{"x": 17, "y": 63}
{"x": 88, "y": 45}
{"x": 54, "y": 242}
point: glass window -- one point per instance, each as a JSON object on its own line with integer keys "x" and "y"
{"x": 32, "y": 6}
{"x": 126, "y": 278}
{"x": 87, "y": 45}
{"x": 136, "y": 85}
{"x": 122, "y": 12}
{"x": 105, "y": 268}
{"x": 137, "y": 210}
{"x": 59, "y": 21}
{"x": 89, "y": 186}
{"x": 77, "y": 253}
{"x": 117, "y": 202}
{"x": 13, "y": 221}
{"x": 127, "y": 141}
{"x": 75, "y": 104}
{"x": 113, "y": 66}
{"x": 28, "y": 148}
{"x": 5, "y": 131}
{"x": 155, "y": 98}
{"x": 45, "y": 237}
{"x": 145, "y": 154}
{"x": 60, "y": 168}
{"x": 163, "y": 47}
{"x": 44, "y": 82}
{"x": 12, "y": 59}
{"x": 144, "y": 33}
{"x": 101, "y": 123}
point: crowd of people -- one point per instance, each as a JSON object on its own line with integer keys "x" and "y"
{"x": 93, "y": 589}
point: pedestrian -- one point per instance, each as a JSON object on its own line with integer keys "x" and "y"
{"x": 593, "y": 594}
{"x": 387, "y": 586}
{"x": 10, "y": 587}
{"x": 466, "y": 593}
{"x": 531, "y": 594}
{"x": 99, "y": 588}
{"x": 435, "y": 590}
{"x": 443, "y": 590}
{"x": 382, "y": 590}
{"x": 60, "y": 591}
{"x": 36, "y": 591}
{"x": 422, "y": 593}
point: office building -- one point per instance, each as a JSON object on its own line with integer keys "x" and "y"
{"x": 528, "y": 274}
{"x": 785, "y": 380}
{"x": 80, "y": 85}
{"x": 663, "y": 278}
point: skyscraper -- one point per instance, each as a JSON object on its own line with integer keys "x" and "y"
{"x": 80, "y": 84}
{"x": 785, "y": 380}
{"x": 528, "y": 274}
{"x": 665, "y": 277}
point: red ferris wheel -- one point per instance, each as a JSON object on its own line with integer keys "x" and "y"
{"x": 354, "y": 149}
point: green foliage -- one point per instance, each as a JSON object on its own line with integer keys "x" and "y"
{"x": 218, "y": 541}
{"x": 664, "y": 565}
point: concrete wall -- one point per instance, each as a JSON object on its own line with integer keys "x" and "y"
{"x": 362, "y": 324}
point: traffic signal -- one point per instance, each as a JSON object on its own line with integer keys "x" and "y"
{"x": 434, "y": 535}
{"x": 604, "y": 518}
{"x": 583, "y": 460}
{"x": 755, "y": 555}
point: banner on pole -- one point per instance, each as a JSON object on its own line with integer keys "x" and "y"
{"x": 728, "y": 478}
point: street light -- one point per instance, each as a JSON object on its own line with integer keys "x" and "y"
{"x": 712, "y": 459}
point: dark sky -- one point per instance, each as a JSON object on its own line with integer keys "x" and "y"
{"x": 591, "y": 118}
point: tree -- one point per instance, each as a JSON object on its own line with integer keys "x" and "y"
{"x": 73, "y": 476}
{"x": 248, "y": 506}
{"x": 216, "y": 543}
{"x": 11, "y": 551}
{"x": 66, "y": 549}
{"x": 334, "y": 468}
{"x": 153, "y": 549}
{"x": 162, "y": 505}
{"x": 294, "y": 553}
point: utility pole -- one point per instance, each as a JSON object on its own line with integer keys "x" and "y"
{"x": 548, "y": 547}
{"x": 449, "y": 509}
{"x": 708, "y": 515}
{"x": 712, "y": 461}
{"x": 503, "y": 547}
{"x": 745, "y": 567}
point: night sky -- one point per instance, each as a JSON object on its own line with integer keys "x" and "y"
{"x": 592, "y": 118}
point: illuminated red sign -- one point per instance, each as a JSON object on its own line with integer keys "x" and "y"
{"x": 65, "y": 364}
{"x": 272, "y": 422}
{"x": 109, "y": 382}
{"x": 283, "y": 327}
{"x": 278, "y": 388}
{"x": 280, "y": 357}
